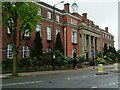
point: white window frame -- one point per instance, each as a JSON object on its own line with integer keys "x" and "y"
{"x": 27, "y": 34}
{"x": 39, "y": 11}
{"x": 9, "y": 51}
{"x": 73, "y": 21}
{"x": 8, "y": 29}
{"x": 39, "y": 28}
{"x": 58, "y": 18}
{"x": 49, "y": 15}
{"x": 74, "y": 37}
{"x": 25, "y": 51}
{"x": 57, "y": 30}
{"x": 49, "y": 33}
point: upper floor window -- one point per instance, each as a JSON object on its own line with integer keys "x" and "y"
{"x": 39, "y": 28}
{"x": 57, "y": 30}
{"x": 9, "y": 51}
{"x": 73, "y": 21}
{"x": 25, "y": 51}
{"x": 27, "y": 34}
{"x": 39, "y": 11}
{"x": 49, "y": 33}
{"x": 48, "y": 14}
{"x": 74, "y": 37}
{"x": 9, "y": 25}
{"x": 57, "y": 18}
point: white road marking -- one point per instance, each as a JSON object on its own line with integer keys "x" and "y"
{"x": 112, "y": 83}
{"x": 94, "y": 87}
{"x": 21, "y": 83}
{"x": 84, "y": 76}
{"x": 68, "y": 78}
{"x": 118, "y": 82}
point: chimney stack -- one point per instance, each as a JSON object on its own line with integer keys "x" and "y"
{"x": 66, "y": 7}
{"x": 84, "y": 15}
{"x": 106, "y": 29}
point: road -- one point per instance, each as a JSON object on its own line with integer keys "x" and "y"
{"x": 75, "y": 79}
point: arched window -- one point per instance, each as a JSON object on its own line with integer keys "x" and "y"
{"x": 9, "y": 51}
{"x": 25, "y": 51}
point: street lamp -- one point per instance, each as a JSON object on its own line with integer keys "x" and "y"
{"x": 53, "y": 55}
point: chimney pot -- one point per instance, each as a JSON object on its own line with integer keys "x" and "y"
{"x": 106, "y": 29}
{"x": 84, "y": 15}
{"x": 66, "y": 7}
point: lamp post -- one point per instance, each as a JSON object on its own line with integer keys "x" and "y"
{"x": 53, "y": 55}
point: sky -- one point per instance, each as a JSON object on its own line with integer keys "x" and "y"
{"x": 103, "y": 12}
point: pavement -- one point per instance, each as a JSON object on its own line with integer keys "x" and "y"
{"x": 24, "y": 74}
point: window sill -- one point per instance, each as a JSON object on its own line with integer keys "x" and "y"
{"x": 74, "y": 43}
{"x": 27, "y": 37}
{"x": 49, "y": 40}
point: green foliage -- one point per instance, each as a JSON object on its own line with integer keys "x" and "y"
{"x": 69, "y": 59}
{"x": 100, "y": 54}
{"x": 7, "y": 64}
{"x": 80, "y": 58}
{"x": 34, "y": 62}
{"x": 37, "y": 46}
{"x": 118, "y": 55}
{"x": 60, "y": 59}
{"x": 22, "y": 16}
{"x": 24, "y": 63}
{"x": 100, "y": 61}
{"x": 58, "y": 43}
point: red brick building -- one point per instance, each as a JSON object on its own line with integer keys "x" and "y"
{"x": 78, "y": 33}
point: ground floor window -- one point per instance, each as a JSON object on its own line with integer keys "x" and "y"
{"x": 25, "y": 51}
{"x": 9, "y": 51}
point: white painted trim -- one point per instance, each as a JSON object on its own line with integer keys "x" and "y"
{"x": 48, "y": 8}
{"x": 72, "y": 16}
{"x": 58, "y": 12}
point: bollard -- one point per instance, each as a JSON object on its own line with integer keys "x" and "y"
{"x": 100, "y": 68}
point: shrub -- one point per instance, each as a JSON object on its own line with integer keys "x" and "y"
{"x": 69, "y": 59}
{"x": 60, "y": 59}
{"x": 7, "y": 64}
{"x": 100, "y": 61}
{"x": 80, "y": 59}
{"x": 34, "y": 62}
{"x": 24, "y": 63}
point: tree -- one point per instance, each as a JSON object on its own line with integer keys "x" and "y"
{"x": 105, "y": 49}
{"x": 58, "y": 43}
{"x": 37, "y": 46}
{"x": 118, "y": 55}
{"x": 20, "y": 18}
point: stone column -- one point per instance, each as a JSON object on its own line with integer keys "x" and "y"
{"x": 65, "y": 41}
{"x": 94, "y": 43}
{"x": 82, "y": 46}
{"x": 89, "y": 38}
{"x": 85, "y": 44}
{"x": 97, "y": 42}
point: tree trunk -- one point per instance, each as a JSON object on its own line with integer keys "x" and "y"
{"x": 15, "y": 73}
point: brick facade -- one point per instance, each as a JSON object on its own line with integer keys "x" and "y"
{"x": 71, "y": 26}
